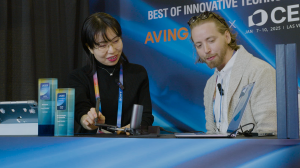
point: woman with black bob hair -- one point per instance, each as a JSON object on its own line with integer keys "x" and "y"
{"x": 101, "y": 38}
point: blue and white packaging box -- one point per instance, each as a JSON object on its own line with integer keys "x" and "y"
{"x": 46, "y": 106}
{"x": 64, "y": 112}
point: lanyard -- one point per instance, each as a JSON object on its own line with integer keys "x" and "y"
{"x": 220, "y": 108}
{"x": 120, "y": 99}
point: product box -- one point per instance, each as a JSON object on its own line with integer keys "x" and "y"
{"x": 46, "y": 106}
{"x": 64, "y": 112}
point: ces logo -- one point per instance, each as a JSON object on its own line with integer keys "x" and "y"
{"x": 290, "y": 13}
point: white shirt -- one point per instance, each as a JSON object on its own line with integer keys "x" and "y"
{"x": 220, "y": 105}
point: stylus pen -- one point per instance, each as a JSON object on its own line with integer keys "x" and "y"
{"x": 97, "y": 109}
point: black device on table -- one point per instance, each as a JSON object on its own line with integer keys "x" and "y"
{"x": 135, "y": 123}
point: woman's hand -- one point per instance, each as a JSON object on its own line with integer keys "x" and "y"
{"x": 127, "y": 133}
{"x": 87, "y": 120}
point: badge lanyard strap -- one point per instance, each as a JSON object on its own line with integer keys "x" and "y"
{"x": 220, "y": 116}
{"x": 120, "y": 99}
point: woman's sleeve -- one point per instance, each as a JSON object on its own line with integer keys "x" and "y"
{"x": 82, "y": 98}
{"x": 145, "y": 100}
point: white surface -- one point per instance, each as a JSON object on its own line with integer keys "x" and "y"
{"x": 19, "y": 129}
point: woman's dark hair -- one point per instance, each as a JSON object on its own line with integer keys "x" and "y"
{"x": 94, "y": 25}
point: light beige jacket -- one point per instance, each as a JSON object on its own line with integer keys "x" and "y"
{"x": 261, "y": 108}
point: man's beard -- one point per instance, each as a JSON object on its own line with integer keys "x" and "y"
{"x": 219, "y": 58}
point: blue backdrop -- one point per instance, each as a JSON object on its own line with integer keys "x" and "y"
{"x": 156, "y": 35}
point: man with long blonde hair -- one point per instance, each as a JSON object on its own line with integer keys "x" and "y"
{"x": 217, "y": 47}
